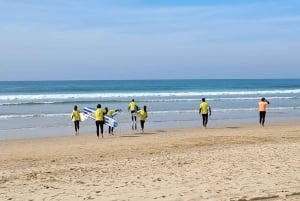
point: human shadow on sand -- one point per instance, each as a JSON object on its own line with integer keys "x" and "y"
{"x": 161, "y": 131}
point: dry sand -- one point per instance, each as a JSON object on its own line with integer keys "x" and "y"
{"x": 221, "y": 163}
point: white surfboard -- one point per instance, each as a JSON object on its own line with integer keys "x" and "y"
{"x": 90, "y": 112}
{"x": 83, "y": 117}
{"x": 117, "y": 111}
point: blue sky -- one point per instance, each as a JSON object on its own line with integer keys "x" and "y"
{"x": 154, "y": 39}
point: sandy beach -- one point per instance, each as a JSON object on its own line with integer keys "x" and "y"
{"x": 240, "y": 163}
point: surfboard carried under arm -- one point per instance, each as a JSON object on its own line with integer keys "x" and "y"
{"x": 90, "y": 113}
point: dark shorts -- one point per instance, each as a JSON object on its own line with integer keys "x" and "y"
{"x": 133, "y": 113}
{"x": 204, "y": 115}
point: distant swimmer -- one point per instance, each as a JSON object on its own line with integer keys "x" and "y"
{"x": 262, "y": 106}
{"x": 204, "y": 110}
{"x": 143, "y": 116}
{"x": 76, "y": 118}
{"x": 99, "y": 116}
{"x": 133, "y": 108}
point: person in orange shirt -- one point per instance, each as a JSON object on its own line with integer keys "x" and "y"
{"x": 262, "y": 106}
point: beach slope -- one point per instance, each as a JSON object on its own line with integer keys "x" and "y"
{"x": 221, "y": 163}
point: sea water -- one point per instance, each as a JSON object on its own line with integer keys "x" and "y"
{"x": 42, "y": 108}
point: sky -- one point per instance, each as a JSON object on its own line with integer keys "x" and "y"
{"x": 153, "y": 39}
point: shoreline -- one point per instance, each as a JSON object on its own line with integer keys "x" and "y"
{"x": 245, "y": 162}
{"x": 88, "y": 128}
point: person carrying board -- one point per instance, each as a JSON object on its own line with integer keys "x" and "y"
{"x": 99, "y": 116}
{"x": 110, "y": 113}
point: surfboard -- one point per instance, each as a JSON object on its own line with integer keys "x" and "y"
{"x": 117, "y": 111}
{"x": 90, "y": 113}
{"x": 83, "y": 117}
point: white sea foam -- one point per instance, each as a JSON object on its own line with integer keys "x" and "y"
{"x": 84, "y": 96}
{"x": 222, "y": 110}
{"x": 13, "y": 116}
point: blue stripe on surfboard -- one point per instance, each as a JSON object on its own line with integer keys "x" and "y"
{"x": 89, "y": 112}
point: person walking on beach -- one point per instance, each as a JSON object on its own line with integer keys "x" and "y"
{"x": 133, "y": 108}
{"x": 109, "y": 113}
{"x": 143, "y": 116}
{"x": 204, "y": 110}
{"x": 76, "y": 118}
{"x": 99, "y": 116}
{"x": 262, "y": 106}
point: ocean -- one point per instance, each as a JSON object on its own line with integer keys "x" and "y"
{"x": 42, "y": 108}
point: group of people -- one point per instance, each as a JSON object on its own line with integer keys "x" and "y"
{"x": 204, "y": 111}
{"x": 100, "y": 120}
{"x": 134, "y": 111}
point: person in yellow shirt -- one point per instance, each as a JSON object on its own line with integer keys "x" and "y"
{"x": 204, "y": 110}
{"x": 143, "y": 116}
{"x": 262, "y": 107}
{"x": 76, "y": 119}
{"x": 133, "y": 108}
{"x": 109, "y": 113}
{"x": 99, "y": 116}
